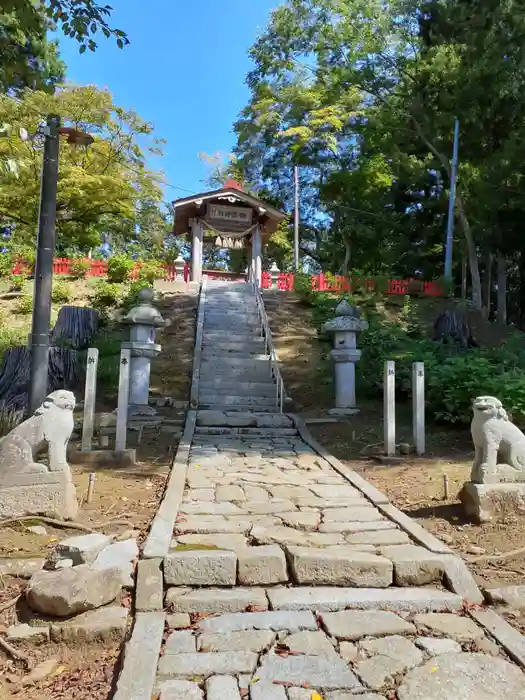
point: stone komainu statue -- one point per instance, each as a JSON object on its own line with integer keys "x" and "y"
{"x": 499, "y": 444}
{"x": 454, "y": 326}
{"x": 51, "y": 425}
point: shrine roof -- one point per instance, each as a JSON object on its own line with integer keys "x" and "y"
{"x": 187, "y": 208}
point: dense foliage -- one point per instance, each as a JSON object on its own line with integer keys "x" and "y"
{"x": 362, "y": 96}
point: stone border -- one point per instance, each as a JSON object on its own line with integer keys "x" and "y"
{"x": 141, "y": 654}
{"x": 457, "y": 573}
{"x": 509, "y": 638}
{"x": 195, "y": 376}
{"x": 161, "y": 531}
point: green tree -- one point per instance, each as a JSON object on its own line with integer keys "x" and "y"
{"x": 103, "y": 189}
{"x": 81, "y": 20}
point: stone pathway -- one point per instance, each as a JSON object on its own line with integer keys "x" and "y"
{"x": 283, "y": 578}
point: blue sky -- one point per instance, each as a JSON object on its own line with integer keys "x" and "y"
{"x": 183, "y": 71}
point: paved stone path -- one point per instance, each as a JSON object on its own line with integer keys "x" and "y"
{"x": 283, "y": 578}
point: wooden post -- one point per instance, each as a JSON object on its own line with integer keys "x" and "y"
{"x": 418, "y": 406}
{"x": 90, "y": 397}
{"x": 389, "y": 398}
{"x": 122, "y": 406}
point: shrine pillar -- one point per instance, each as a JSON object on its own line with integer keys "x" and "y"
{"x": 256, "y": 267}
{"x": 196, "y": 250}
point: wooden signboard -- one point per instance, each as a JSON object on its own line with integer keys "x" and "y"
{"x": 224, "y": 217}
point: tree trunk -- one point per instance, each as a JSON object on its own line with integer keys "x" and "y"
{"x": 464, "y": 277}
{"x": 501, "y": 314}
{"x": 472, "y": 255}
{"x": 488, "y": 283}
{"x": 348, "y": 255}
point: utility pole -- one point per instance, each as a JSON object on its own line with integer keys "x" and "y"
{"x": 296, "y": 220}
{"x": 44, "y": 266}
{"x": 452, "y": 204}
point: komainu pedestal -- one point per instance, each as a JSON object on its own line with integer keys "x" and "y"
{"x": 497, "y": 481}
{"x": 27, "y": 486}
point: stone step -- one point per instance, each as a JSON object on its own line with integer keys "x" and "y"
{"x": 243, "y": 419}
{"x": 227, "y": 336}
{"x": 255, "y": 344}
{"x": 257, "y": 361}
{"x": 241, "y": 388}
{"x": 224, "y": 391}
{"x": 247, "y": 432}
{"x": 218, "y": 406}
{"x": 236, "y": 400}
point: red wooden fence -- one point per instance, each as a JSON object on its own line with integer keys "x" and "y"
{"x": 284, "y": 281}
{"x": 99, "y": 268}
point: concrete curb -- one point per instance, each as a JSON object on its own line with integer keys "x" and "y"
{"x": 158, "y": 541}
{"x": 139, "y": 670}
{"x": 457, "y": 574}
{"x": 510, "y": 639}
{"x": 197, "y": 352}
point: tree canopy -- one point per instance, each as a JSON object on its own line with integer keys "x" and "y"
{"x": 105, "y": 190}
{"x": 362, "y": 96}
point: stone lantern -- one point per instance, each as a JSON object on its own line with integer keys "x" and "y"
{"x": 143, "y": 321}
{"x": 345, "y": 327}
{"x": 275, "y": 272}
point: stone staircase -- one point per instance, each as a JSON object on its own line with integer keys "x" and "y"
{"x": 235, "y": 372}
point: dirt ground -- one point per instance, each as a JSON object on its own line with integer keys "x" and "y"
{"x": 123, "y": 505}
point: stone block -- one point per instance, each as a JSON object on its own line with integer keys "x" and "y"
{"x": 244, "y": 640}
{"x": 232, "y": 542}
{"x": 82, "y": 549}
{"x": 358, "y": 513}
{"x": 104, "y": 625}
{"x": 436, "y": 646}
{"x": 200, "y": 567}
{"x": 492, "y": 502}
{"x": 288, "y": 536}
{"x": 512, "y": 596}
{"x": 21, "y": 568}
{"x": 215, "y": 600}
{"x": 460, "y": 629}
{"x": 267, "y": 691}
{"x": 465, "y": 676}
{"x": 316, "y": 671}
{"x": 149, "y": 594}
{"x": 339, "y": 566}
{"x": 327, "y": 599}
{"x": 107, "y": 459}
{"x": 180, "y": 642}
{"x": 312, "y": 643}
{"x": 276, "y": 621}
{"x": 413, "y": 565}
{"x": 222, "y": 687}
{"x": 74, "y": 590}
{"x": 122, "y": 555}
{"x": 378, "y": 537}
{"x": 389, "y": 657}
{"x": 52, "y": 493}
{"x": 175, "y": 690}
{"x": 204, "y": 665}
{"x": 261, "y": 566}
{"x": 178, "y": 620}
{"x": 352, "y": 625}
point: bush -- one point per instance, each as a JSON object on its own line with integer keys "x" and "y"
{"x": 150, "y": 271}
{"x": 24, "y": 304}
{"x": 120, "y": 268}
{"x": 17, "y": 282}
{"x": 79, "y": 268}
{"x": 61, "y": 293}
{"x": 131, "y": 299}
{"x": 105, "y": 295}
{"x": 6, "y": 265}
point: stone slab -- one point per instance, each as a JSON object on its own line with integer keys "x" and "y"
{"x": 150, "y": 593}
{"x": 351, "y": 625}
{"x": 274, "y": 620}
{"x": 435, "y": 646}
{"x": 215, "y": 600}
{"x": 203, "y": 664}
{"x": 261, "y": 566}
{"x": 222, "y": 687}
{"x": 20, "y": 568}
{"x": 315, "y": 671}
{"x": 415, "y": 530}
{"x": 230, "y": 542}
{"x": 103, "y": 624}
{"x": 460, "y": 629}
{"x": 339, "y": 566}
{"x": 200, "y": 567}
{"x": 57, "y": 497}
{"x": 509, "y": 637}
{"x": 463, "y": 676}
{"x": 180, "y": 690}
{"x": 487, "y": 502}
{"x": 180, "y": 642}
{"x": 326, "y": 599}
{"x": 35, "y": 634}
{"x": 512, "y": 596}
{"x": 244, "y": 640}
{"x": 414, "y": 565}
{"x": 311, "y": 643}
{"x": 378, "y": 537}
{"x": 137, "y": 677}
{"x": 82, "y": 549}
{"x": 263, "y": 690}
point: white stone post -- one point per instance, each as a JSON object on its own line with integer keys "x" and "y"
{"x": 196, "y": 251}
{"x": 418, "y": 406}
{"x": 90, "y": 397}
{"x": 122, "y": 406}
{"x": 256, "y": 256}
{"x": 389, "y": 398}
{"x": 345, "y": 354}
{"x": 275, "y": 272}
